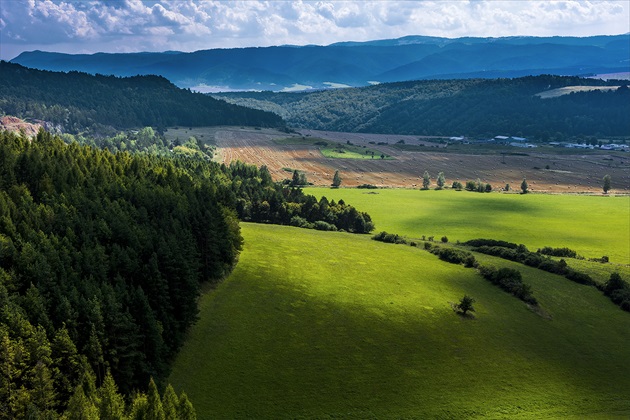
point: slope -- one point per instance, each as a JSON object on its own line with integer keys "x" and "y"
{"x": 319, "y": 325}
{"x": 76, "y": 101}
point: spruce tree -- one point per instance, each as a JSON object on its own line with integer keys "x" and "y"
{"x": 155, "y": 410}
{"x": 170, "y": 402}
{"x": 111, "y": 404}
{"x": 185, "y": 408}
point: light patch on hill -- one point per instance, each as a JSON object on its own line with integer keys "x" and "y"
{"x": 18, "y": 125}
{"x": 554, "y": 93}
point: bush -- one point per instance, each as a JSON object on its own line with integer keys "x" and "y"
{"x": 321, "y": 225}
{"x": 298, "y": 221}
{"x": 390, "y": 238}
{"x": 558, "y": 252}
{"x": 509, "y": 280}
{"x": 367, "y": 186}
{"x": 457, "y": 185}
{"x": 491, "y": 242}
{"x": 444, "y": 239}
{"x": 454, "y": 256}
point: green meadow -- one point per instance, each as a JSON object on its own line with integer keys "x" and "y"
{"x": 317, "y": 324}
{"x": 592, "y": 225}
{"x": 334, "y": 150}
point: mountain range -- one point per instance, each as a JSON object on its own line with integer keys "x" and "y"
{"x": 286, "y": 68}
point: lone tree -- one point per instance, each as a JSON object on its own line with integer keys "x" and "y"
{"x": 606, "y": 186}
{"x": 426, "y": 180}
{"x": 441, "y": 181}
{"x": 465, "y": 305}
{"x": 336, "y": 180}
{"x": 524, "y": 186}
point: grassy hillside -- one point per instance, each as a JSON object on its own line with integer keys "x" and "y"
{"x": 592, "y": 225}
{"x": 321, "y": 325}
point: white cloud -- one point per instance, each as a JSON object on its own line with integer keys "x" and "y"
{"x": 134, "y": 25}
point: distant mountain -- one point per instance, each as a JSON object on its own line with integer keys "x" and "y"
{"x": 356, "y": 63}
{"x": 78, "y": 101}
{"x": 471, "y": 107}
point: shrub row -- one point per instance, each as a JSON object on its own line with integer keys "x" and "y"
{"x": 454, "y": 256}
{"x": 493, "y": 242}
{"x": 536, "y": 260}
{"x": 390, "y": 238}
{"x": 509, "y": 280}
{"x": 558, "y": 252}
{"x": 318, "y": 224}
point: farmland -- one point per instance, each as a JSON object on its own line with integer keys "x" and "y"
{"x": 319, "y": 325}
{"x": 546, "y": 169}
{"x": 592, "y": 225}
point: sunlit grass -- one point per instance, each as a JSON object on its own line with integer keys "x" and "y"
{"x": 592, "y": 225}
{"x": 319, "y": 325}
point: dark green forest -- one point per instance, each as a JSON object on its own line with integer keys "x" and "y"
{"x": 77, "y": 102}
{"x": 102, "y": 256}
{"x": 471, "y": 107}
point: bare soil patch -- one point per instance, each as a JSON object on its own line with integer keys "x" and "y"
{"x": 544, "y": 169}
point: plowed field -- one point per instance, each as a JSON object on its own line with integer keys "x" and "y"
{"x": 546, "y": 169}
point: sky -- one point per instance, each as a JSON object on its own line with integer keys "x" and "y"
{"x": 90, "y": 26}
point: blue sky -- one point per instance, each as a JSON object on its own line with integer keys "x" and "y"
{"x": 187, "y": 25}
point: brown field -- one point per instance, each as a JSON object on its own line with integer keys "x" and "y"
{"x": 569, "y": 171}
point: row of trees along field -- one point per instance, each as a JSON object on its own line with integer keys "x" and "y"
{"x": 102, "y": 256}
{"x": 79, "y": 101}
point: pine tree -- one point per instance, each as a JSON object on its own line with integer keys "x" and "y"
{"x": 155, "y": 410}
{"x": 524, "y": 186}
{"x": 185, "y": 408}
{"x": 170, "y": 403}
{"x": 111, "y": 404}
{"x": 139, "y": 407}
{"x": 80, "y": 407}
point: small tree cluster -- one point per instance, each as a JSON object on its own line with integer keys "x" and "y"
{"x": 509, "y": 280}
{"x": 465, "y": 305}
{"x": 391, "y": 238}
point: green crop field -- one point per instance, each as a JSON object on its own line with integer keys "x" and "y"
{"x": 332, "y": 325}
{"x": 335, "y": 150}
{"x": 592, "y": 225}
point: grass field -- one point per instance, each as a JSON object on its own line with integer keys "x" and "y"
{"x": 330, "y": 325}
{"x": 333, "y": 150}
{"x": 592, "y": 225}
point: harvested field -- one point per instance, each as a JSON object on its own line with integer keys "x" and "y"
{"x": 546, "y": 169}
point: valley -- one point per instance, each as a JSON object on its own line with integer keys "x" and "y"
{"x": 547, "y": 169}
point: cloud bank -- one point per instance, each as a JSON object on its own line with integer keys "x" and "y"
{"x": 187, "y": 25}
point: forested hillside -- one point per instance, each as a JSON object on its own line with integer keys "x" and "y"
{"x": 472, "y": 107}
{"x": 356, "y": 63}
{"x": 79, "y": 101}
{"x": 102, "y": 256}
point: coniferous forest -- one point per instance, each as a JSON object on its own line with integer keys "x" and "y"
{"x": 101, "y": 260}
{"x": 78, "y": 101}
